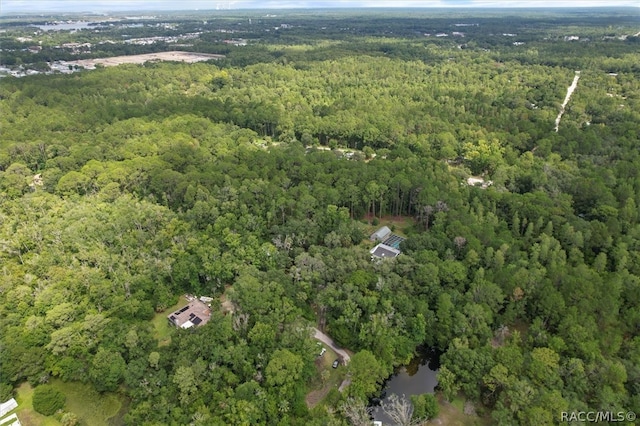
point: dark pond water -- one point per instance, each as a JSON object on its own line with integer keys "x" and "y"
{"x": 414, "y": 379}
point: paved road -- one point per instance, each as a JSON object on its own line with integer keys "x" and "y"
{"x": 319, "y": 335}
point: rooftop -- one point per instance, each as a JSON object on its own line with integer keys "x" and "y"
{"x": 7, "y": 407}
{"x": 394, "y": 241}
{"x": 380, "y": 234}
{"x": 384, "y": 251}
{"x": 196, "y": 313}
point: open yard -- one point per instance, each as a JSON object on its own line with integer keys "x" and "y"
{"x": 319, "y": 386}
{"x": 452, "y": 414}
{"x": 26, "y": 413}
{"x": 398, "y": 224}
{"x": 91, "y": 407}
{"x": 162, "y": 329}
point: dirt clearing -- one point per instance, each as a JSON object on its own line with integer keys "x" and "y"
{"x": 179, "y": 56}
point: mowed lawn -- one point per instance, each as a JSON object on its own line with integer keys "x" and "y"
{"x": 26, "y": 413}
{"x": 162, "y": 329}
{"x": 91, "y": 407}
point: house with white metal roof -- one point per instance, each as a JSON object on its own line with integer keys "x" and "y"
{"x": 380, "y": 234}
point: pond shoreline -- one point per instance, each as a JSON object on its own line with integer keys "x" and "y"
{"x": 415, "y": 378}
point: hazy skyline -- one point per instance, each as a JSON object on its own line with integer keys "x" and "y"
{"x": 44, "y": 6}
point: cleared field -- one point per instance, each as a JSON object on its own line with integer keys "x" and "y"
{"x": 189, "y": 57}
{"x": 91, "y": 407}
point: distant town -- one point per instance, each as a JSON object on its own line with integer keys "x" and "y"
{"x": 30, "y": 47}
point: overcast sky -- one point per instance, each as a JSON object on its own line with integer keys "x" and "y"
{"x": 36, "y": 6}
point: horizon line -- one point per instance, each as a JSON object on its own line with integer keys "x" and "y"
{"x": 333, "y": 7}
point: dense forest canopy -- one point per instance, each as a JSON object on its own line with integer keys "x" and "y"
{"x": 256, "y": 180}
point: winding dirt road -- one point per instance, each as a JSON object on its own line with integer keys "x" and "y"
{"x": 319, "y": 335}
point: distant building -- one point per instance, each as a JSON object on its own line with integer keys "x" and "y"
{"x": 479, "y": 182}
{"x": 383, "y": 251}
{"x": 196, "y": 313}
{"x": 381, "y": 234}
{"x": 236, "y": 42}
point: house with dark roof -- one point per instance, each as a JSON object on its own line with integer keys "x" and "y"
{"x": 196, "y": 313}
{"x": 383, "y": 251}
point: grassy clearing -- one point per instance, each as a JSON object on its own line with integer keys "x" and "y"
{"x": 91, "y": 407}
{"x": 162, "y": 329}
{"x": 452, "y": 414}
{"x": 458, "y": 403}
{"x": 398, "y": 224}
{"x": 26, "y": 413}
{"x": 319, "y": 389}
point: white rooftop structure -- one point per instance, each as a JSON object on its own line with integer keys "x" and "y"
{"x": 7, "y": 406}
{"x": 187, "y": 324}
{"x": 11, "y": 420}
{"x": 380, "y": 234}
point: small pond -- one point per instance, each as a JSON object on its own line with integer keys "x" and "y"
{"x": 414, "y": 379}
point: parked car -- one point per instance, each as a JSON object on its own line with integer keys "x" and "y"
{"x": 335, "y": 364}
{"x": 323, "y": 351}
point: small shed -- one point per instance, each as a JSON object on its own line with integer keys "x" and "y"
{"x": 380, "y": 234}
